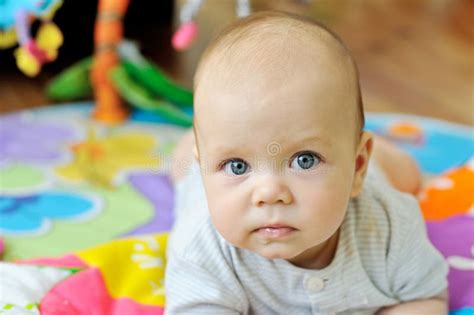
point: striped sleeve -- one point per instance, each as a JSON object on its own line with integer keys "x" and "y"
{"x": 194, "y": 289}
{"x": 416, "y": 269}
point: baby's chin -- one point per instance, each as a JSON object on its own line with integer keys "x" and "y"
{"x": 270, "y": 249}
{"x": 276, "y": 250}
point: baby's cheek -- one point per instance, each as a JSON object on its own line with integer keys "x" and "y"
{"x": 227, "y": 217}
{"x": 325, "y": 209}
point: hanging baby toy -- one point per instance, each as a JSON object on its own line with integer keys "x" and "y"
{"x": 16, "y": 17}
{"x": 118, "y": 75}
{"x": 188, "y": 30}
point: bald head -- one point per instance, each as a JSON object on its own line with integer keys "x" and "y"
{"x": 273, "y": 46}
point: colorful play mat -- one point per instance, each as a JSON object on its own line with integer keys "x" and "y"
{"x": 85, "y": 209}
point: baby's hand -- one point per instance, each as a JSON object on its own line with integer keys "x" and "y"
{"x": 435, "y": 305}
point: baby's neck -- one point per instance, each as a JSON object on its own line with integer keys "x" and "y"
{"x": 318, "y": 257}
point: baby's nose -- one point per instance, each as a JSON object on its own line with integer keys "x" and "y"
{"x": 271, "y": 191}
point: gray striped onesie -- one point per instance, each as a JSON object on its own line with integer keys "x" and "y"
{"x": 383, "y": 257}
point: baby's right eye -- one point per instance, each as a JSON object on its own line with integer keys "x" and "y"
{"x": 235, "y": 167}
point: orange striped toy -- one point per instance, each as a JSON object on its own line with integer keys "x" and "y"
{"x": 108, "y": 34}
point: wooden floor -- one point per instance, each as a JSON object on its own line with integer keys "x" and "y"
{"x": 414, "y": 56}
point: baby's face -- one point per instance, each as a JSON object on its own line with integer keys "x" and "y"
{"x": 277, "y": 152}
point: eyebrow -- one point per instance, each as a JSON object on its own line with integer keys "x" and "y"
{"x": 308, "y": 140}
{"x": 313, "y": 139}
{"x": 223, "y": 150}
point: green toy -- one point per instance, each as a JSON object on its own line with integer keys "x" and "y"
{"x": 141, "y": 83}
{"x": 134, "y": 93}
{"x": 72, "y": 84}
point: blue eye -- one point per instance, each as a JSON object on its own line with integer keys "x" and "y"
{"x": 235, "y": 167}
{"x": 305, "y": 161}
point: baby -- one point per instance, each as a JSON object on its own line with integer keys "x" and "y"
{"x": 280, "y": 212}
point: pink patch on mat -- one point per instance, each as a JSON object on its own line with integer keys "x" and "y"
{"x": 85, "y": 293}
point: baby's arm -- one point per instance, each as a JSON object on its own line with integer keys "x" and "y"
{"x": 398, "y": 166}
{"x": 436, "y": 305}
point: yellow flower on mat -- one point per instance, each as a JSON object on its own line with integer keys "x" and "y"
{"x": 132, "y": 268}
{"x": 100, "y": 160}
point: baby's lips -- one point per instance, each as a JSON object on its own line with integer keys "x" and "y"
{"x": 274, "y": 231}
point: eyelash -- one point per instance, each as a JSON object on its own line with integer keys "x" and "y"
{"x": 320, "y": 158}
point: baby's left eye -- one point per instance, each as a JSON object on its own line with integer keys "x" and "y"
{"x": 305, "y": 161}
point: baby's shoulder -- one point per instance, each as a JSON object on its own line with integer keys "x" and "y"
{"x": 390, "y": 207}
{"x": 393, "y": 244}
{"x": 381, "y": 221}
{"x": 384, "y": 217}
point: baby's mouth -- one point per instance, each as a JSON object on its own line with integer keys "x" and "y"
{"x": 275, "y": 232}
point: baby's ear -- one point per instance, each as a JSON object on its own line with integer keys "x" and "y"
{"x": 364, "y": 151}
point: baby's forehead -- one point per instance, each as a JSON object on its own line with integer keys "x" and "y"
{"x": 265, "y": 55}
{"x": 270, "y": 46}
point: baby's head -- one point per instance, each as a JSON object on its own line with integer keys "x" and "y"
{"x": 278, "y": 126}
